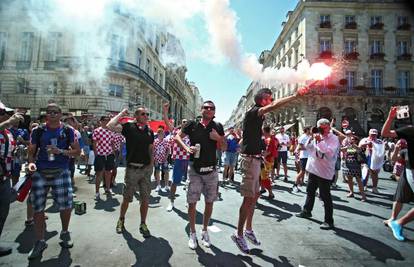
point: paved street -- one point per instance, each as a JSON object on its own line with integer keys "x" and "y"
{"x": 360, "y": 239}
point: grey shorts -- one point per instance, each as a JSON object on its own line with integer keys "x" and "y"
{"x": 206, "y": 184}
{"x": 250, "y": 168}
{"x": 137, "y": 179}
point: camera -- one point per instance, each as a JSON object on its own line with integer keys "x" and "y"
{"x": 315, "y": 130}
{"x": 403, "y": 112}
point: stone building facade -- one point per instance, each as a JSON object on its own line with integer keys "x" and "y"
{"x": 37, "y": 67}
{"x": 369, "y": 46}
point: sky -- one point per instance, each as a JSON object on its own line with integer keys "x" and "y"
{"x": 258, "y": 26}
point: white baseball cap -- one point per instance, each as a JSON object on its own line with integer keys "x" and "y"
{"x": 348, "y": 132}
{"x": 2, "y": 106}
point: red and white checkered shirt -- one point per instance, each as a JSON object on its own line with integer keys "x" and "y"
{"x": 9, "y": 153}
{"x": 103, "y": 139}
{"x": 161, "y": 149}
{"x": 118, "y": 140}
{"x": 177, "y": 151}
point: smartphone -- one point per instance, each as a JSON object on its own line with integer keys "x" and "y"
{"x": 403, "y": 112}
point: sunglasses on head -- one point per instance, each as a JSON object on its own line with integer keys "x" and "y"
{"x": 209, "y": 108}
{"x": 144, "y": 114}
{"x": 52, "y": 112}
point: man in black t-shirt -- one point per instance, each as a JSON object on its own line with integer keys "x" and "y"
{"x": 251, "y": 161}
{"x": 204, "y": 136}
{"x": 140, "y": 161}
{"x": 405, "y": 188}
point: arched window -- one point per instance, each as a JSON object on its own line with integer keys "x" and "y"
{"x": 325, "y": 113}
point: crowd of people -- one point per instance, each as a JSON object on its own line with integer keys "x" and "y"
{"x": 52, "y": 148}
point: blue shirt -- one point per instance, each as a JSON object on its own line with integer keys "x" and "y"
{"x": 232, "y": 144}
{"x": 19, "y": 132}
{"x": 63, "y": 142}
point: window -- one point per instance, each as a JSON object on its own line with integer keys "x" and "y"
{"x": 148, "y": 66}
{"x": 350, "y": 46}
{"x": 116, "y": 90}
{"x": 402, "y": 48}
{"x": 325, "y": 45}
{"x": 349, "y": 19}
{"x": 139, "y": 57}
{"x": 404, "y": 80}
{"x": 51, "y": 88}
{"x": 161, "y": 79}
{"x": 114, "y": 46}
{"x": 350, "y": 78}
{"x": 80, "y": 89}
{"x": 325, "y": 18}
{"x": 155, "y": 73}
{"x": 376, "y": 47}
{"x": 402, "y": 20}
{"x": 375, "y": 20}
{"x": 3, "y": 43}
{"x": 22, "y": 86}
{"x": 26, "y": 46}
{"x": 376, "y": 79}
{"x": 51, "y": 46}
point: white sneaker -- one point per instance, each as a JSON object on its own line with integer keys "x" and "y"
{"x": 170, "y": 206}
{"x": 192, "y": 242}
{"x": 167, "y": 188}
{"x": 205, "y": 239}
{"x": 295, "y": 189}
{"x": 163, "y": 190}
{"x": 97, "y": 196}
{"x": 158, "y": 188}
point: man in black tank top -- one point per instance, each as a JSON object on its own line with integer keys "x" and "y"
{"x": 250, "y": 163}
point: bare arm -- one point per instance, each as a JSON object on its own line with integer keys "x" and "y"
{"x": 276, "y": 104}
{"x": 115, "y": 120}
{"x": 9, "y": 122}
{"x": 386, "y": 128}
{"x": 396, "y": 153}
{"x": 165, "y": 117}
{"x": 341, "y": 136}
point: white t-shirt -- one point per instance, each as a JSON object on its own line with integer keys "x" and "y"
{"x": 283, "y": 138}
{"x": 303, "y": 154}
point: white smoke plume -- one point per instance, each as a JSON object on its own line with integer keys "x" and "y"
{"x": 221, "y": 23}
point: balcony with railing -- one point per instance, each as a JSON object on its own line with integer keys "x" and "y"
{"x": 377, "y": 26}
{"x": 377, "y": 56}
{"x": 351, "y": 25}
{"x": 325, "y": 25}
{"x": 404, "y": 57}
{"x": 351, "y": 55}
{"x": 333, "y": 89}
{"x": 327, "y": 54}
{"x": 404, "y": 27}
{"x": 122, "y": 66}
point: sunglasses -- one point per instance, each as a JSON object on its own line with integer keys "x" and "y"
{"x": 52, "y": 112}
{"x": 209, "y": 108}
{"x": 144, "y": 114}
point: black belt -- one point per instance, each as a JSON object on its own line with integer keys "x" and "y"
{"x": 137, "y": 165}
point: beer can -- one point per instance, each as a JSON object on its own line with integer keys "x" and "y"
{"x": 197, "y": 152}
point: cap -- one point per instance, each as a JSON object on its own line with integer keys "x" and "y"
{"x": 323, "y": 121}
{"x": 348, "y": 132}
{"x": 2, "y": 106}
{"x": 373, "y": 131}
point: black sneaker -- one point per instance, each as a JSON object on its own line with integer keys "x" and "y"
{"x": 262, "y": 191}
{"x": 143, "y": 229}
{"x": 37, "y": 250}
{"x": 285, "y": 180}
{"x": 327, "y": 226}
{"x": 5, "y": 251}
{"x": 65, "y": 240}
{"x": 304, "y": 214}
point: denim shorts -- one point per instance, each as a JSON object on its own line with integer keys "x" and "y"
{"x": 230, "y": 159}
{"x": 161, "y": 166}
{"x": 179, "y": 171}
{"x": 62, "y": 190}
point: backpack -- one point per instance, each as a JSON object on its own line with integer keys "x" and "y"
{"x": 42, "y": 129}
